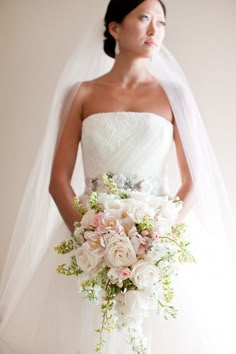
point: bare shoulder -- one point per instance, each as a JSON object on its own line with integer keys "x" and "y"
{"x": 90, "y": 85}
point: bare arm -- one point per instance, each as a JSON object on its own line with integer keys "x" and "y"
{"x": 185, "y": 192}
{"x": 64, "y": 163}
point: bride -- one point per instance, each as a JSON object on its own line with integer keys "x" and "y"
{"x": 124, "y": 121}
{"x": 128, "y": 88}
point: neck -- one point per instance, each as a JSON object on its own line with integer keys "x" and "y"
{"x": 129, "y": 72}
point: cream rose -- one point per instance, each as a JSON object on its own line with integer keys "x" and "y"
{"x": 86, "y": 260}
{"x": 119, "y": 252}
{"x": 144, "y": 274}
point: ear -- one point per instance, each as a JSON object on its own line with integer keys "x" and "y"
{"x": 114, "y": 28}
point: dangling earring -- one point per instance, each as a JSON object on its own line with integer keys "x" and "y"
{"x": 117, "y": 49}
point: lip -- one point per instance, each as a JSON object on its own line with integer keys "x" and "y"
{"x": 151, "y": 43}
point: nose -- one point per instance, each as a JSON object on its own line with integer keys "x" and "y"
{"x": 152, "y": 29}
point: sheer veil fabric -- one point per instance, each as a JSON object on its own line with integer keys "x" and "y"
{"x": 29, "y": 291}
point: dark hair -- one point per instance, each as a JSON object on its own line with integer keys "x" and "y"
{"x": 116, "y": 11}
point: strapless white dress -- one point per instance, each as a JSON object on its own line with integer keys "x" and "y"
{"x": 136, "y": 145}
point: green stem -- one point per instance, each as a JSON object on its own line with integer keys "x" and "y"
{"x": 170, "y": 239}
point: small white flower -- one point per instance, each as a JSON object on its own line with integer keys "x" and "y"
{"x": 161, "y": 226}
{"x": 81, "y": 279}
{"x": 156, "y": 251}
{"x": 78, "y": 233}
{"x": 119, "y": 179}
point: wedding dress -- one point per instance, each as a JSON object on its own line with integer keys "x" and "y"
{"x": 136, "y": 145}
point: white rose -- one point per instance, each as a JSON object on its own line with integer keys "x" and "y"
{"x": 154, "y": 201}
{"x": 107, "y": 199}
{"x": 119, "y": 252}
{"x": 144, "y": 274}
{"x": 141, "y": 196}
{"x": 114, "y": 207}
{"x": 87, "y": 261}
{"x": 170, "y": 210}
{"x": 133, "y": 306}
{"x": 137, "y": 210}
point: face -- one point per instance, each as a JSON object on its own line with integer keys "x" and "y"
{"x": 142, "y": 31}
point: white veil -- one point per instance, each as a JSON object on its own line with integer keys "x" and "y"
{"x": 29, "y": 288}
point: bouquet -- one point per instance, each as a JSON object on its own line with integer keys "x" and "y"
{"x": 125, "y": 253}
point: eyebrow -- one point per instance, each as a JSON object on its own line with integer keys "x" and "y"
{"x": 150, "y": 13}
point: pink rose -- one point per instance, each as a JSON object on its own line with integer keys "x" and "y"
{"x": 107, "y": 222}
{"x": 96, "y": 220}
{"x": 155, "y": 236}
{"x": 95, "y": 243}
{"x": 88, "y": 218}
{"x": 123, "y": 273}
{"x": 140, "y": 244}
{"x": 118, "y": 275}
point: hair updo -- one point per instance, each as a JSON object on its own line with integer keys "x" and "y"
{"x": 116, "y": 11}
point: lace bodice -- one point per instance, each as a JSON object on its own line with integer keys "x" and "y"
{"x": 131, "y": 144}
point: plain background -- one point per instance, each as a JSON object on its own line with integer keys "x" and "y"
{"x": 36, "y": 38}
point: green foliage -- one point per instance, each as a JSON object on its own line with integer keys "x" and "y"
{"x": 167, "y": 310}
{"x": 108, "y": 323}
{"x": 110, "y": 184}
{"x": 145, "y": 225}
{"x": 168, "y": 291}
{"x": 93, "y": 202}
{"x": 174, "y": 250}
{"x": 78, "y": 206}
{"x": 72, "y": 269}
{"x": 65, "y": 246}
{"x": 138, "y": 349}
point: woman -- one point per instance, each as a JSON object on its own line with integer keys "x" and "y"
{"x": 126, "y": 120}
{"x": 129, "y": 86}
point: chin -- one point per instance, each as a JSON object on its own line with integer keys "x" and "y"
{"x": 151, "y": 53}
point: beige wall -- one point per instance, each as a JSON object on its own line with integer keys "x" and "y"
{"x": 35, "y": 39}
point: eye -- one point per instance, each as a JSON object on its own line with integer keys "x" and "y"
{"x": 163, "y": 23}
{"x": 145, "y": 17}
